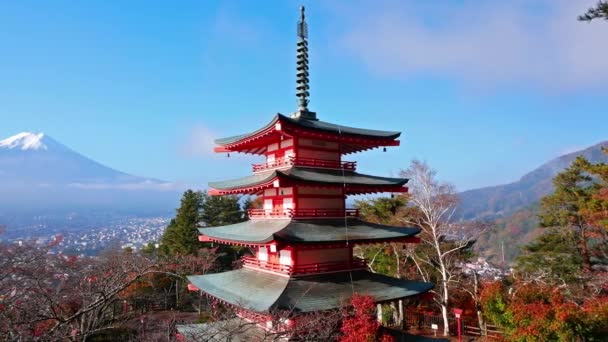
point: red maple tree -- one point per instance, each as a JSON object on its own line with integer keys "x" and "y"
{"x": 361, "y": 324}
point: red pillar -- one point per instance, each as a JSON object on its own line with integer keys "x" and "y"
{"x": 458, "y": 313}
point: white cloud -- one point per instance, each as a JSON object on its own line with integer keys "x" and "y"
{"x": 539, "y": 43}
{"x": 146, "y": 185}
{"x": 199, "y": 142}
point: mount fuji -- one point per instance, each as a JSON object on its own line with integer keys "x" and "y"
{"x": 39, "y": 173}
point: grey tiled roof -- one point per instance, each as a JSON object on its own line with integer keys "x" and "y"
{"x": 307, "y": 231}
{"x": 264, "y": 292}
{"x": 310, "y": 175}
{"x": 315, "y": 125}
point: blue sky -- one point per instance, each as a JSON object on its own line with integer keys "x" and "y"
{"x": 484, "y": 91}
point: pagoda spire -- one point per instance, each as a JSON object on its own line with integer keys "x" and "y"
{"x": 302, "y": 86}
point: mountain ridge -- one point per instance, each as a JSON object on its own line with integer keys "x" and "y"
{"x": 502, "y": 200}
{"x": 38, "y": 172}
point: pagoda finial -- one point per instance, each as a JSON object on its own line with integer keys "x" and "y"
{"x": 302, "y": 86}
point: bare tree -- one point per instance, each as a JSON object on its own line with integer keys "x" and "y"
{"x": 442, "y": 241}
{"x": 49, "y": 296}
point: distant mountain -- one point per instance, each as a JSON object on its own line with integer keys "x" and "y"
{"x": 503, "y": 200}
{"x": 40, "y": 175}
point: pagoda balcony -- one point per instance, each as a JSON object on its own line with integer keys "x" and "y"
{"x": 302, "y": 269}
{"x": 313, "y": 213}
{"x": 305, "y": 162}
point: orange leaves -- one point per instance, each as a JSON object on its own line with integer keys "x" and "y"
{"x": 532, "y": 312}
{"x": 361, "y": 324}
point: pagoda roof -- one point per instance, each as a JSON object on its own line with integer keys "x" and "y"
{"x": 265, "y": 292}
{"x": 307, "y": 231}
{"x": 311, "y": 175}
{"x": 300, "y": 124}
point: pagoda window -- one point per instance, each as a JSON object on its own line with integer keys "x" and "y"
{"x": 286, "y": 143}
{"x": 270, "y": 192}
{"x": 286, "y": 191}
{"x": 273, "y": 147}
{"x": 285, "y": 257}
{"x": 263, "y": 254}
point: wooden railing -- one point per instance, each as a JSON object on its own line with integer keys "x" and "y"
{"x": 422, "y": 322}
{"x": 322, "y": 267}
{"x": 306, "y": 162}
{"x": 302, "y": 213}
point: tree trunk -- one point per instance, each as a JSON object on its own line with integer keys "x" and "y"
{"x": 585, "y": 250}
{"x": 401, "y": 315}
{"x": 395, "y": 309}
{"x": 482, "y": 324}
{"x": 446, "y": 322}
{"x": 444, "y": 288}
{"x": 177, "y": 293}
{"x": 379, "y": 313}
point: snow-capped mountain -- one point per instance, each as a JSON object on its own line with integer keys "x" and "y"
{"x": 24, "y": 141}
{"x": 38, "y": 171}
{"x": 37, "y": 159}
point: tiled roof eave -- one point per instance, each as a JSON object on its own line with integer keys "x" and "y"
{"x": 360, "y": 139}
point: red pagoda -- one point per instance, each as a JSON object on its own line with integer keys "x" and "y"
{"x": 304, "y": 234}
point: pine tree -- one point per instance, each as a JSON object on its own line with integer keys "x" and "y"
{"x": 599, "y": 11}
{"x": 596, "y": 210}
{"x": 553, "y": 256}
{"x": 564, "y": 207}
{"x": 181, "y": 236}
{"x": 221, "y": 210}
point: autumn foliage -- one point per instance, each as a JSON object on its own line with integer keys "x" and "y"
{"x": 531, "y": 312}
{"x": 361, "y": 325}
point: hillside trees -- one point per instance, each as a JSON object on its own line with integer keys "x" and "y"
{"x": 559, "y": 287}
{"x": 579, "y": 203}
{"x": 553, "y": 258}
{"x": 49, "y": 296}
{"x": 596, "y": 209}
{"x": 537, "y": 312}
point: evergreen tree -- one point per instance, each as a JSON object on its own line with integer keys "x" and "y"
{"x": 384, "y": 210}
{"x": 596, "y": 209}
{"x": 564, "y": 207}
{"x": 199, "y": 210}
{"x": 552, "y": 257}
{"x": 181, "y": 236}
{"x": 599, "y": 11}
{"x": 221, "y": 210}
